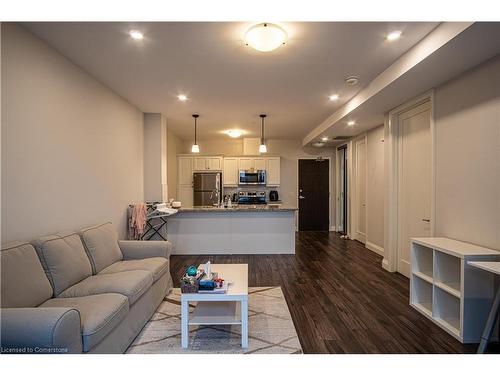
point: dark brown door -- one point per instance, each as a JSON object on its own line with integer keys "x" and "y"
{"x": 314, "y": 194}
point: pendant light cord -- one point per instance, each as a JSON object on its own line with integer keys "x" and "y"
{"x": 195, "y": 126}
{"x": 262, "y": 130}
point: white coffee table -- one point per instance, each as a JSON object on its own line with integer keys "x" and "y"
{"x": 219, "y": 309}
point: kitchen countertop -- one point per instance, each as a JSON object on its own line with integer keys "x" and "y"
{"x": 239, "y": 208}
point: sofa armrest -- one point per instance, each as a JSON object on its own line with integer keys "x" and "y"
{"x": 145, "y": 249}
{"x": 40, "y": 330}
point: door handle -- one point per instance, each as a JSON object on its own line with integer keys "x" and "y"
{"x": 427, "y": 220}
{"x": 302, "y": 197}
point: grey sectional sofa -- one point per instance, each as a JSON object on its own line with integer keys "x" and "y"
{"x": 84, "y": 292}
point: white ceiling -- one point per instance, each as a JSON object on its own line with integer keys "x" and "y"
{"x": 464, "y": 51}
{"x": 228, "y": 83}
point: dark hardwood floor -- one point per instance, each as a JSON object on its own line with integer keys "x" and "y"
{"x": 340, "y": 298}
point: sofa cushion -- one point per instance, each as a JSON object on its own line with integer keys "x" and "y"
{"x": 157, "y": 266}
{"x": 131, "y": 284}
{"x": 23, "y": 280}
{"x": 101, "y": 243}
{"x": 64, "y": 259}
{"x": 99, "y": 314}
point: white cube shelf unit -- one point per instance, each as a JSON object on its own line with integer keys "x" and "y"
{"x": 445, "y": 289}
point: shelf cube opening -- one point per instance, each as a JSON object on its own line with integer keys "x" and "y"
{"x": 422, "y": 294}
{"x": 448, "y": 270}
{"x": 421, "y": 259}
{"x": 447, "y": 309}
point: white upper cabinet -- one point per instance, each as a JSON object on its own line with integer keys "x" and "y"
{"x": 208, "y": 163}
{"x": 230, "y": 172}
{"x": 259, "y": 164}
{"x": 215, "y": 163}
{"x": 200, "y": 164}
{"x": 245, "y": 163}
{"x": 185, "y": 170}
{"x": 273, "y": 170}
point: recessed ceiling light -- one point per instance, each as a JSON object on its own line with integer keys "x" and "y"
{"x": 137, "y": 35}
{"x": 333, "y": 97}
{"x": 265, "y": 37}
{"x": 351, "y": 123}
{"x": 352, "y": 80}
{"x": 234, "y": 133}
{"x": 324, "y": 139}
{"x": 182, "y": 97}
{"x": 395, "y": 35}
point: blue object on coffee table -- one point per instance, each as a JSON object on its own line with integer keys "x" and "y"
{"x": 192, "y": 271}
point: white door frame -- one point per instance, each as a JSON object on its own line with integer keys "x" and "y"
{"x": 329, "y": 191}
{"x": 392, "y": 162}
{"x": 349, "y": 184}
{"x": 354, "y": 200}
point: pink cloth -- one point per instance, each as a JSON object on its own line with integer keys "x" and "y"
{"x": 137, "y": 221}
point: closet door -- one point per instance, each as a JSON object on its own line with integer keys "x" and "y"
{"x": 361, "y": 190}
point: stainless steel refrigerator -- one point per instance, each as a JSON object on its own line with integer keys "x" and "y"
{"x": 207, "y": 189}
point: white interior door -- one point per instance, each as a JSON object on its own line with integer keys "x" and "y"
{"x": 414, "y": 184}
{"x": 341, "y": 190}
{"x": 361, "y": 190}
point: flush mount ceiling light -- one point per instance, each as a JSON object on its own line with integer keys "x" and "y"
{"x": 395, "y": 35}
{"x": 135, "y": 34}
{"x": 182, "y": 97}
{"x": 234, "y": 133}
{"x": 352, "y": 80}
{"x": 195, "y": 148}
{"x": 265, "y": 37}
{"x": 262, "y": 147}
{"x": 333, "y": 97}
{"x": 318, "y": 144}
{"x": 351, "y": 122}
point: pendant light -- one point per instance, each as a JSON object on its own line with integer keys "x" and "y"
{"x": 195, "y": 148}
{"x": 262, "y": 147}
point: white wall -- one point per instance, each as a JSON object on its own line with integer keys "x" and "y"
{"x": 174, "y": 147}
{"x": 467, "y": 119}
{"x": 155, "y": 157}
{"x": 72, "y": 151}
{"x": 375, "y": 188}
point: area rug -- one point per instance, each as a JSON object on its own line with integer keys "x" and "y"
{"x": 271, "y": 329}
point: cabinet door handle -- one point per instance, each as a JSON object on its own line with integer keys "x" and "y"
{"x": 427, "y": 220}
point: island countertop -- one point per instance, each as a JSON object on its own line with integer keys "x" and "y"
{"x": 239, "y": 208}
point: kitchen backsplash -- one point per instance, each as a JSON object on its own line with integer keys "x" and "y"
{"x": 232, "y": 190}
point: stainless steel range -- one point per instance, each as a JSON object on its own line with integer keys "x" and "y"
{"x": 252, "y": 197}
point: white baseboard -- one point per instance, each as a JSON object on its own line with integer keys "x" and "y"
{"x": 375, "y": 248}
{"x": 385, "y": 265}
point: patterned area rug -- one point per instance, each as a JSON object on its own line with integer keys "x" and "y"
{"x": 271, "y": 329}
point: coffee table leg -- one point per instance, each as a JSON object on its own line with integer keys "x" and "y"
{"x": 184, "y": 324}
{"x": 244, "y": 323}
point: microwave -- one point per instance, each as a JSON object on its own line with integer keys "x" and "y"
{"x": 252, "y": 177}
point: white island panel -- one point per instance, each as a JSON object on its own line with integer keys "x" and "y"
{"x": 232, "y": 232}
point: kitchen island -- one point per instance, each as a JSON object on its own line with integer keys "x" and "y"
{"x": 259, "y": 229}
